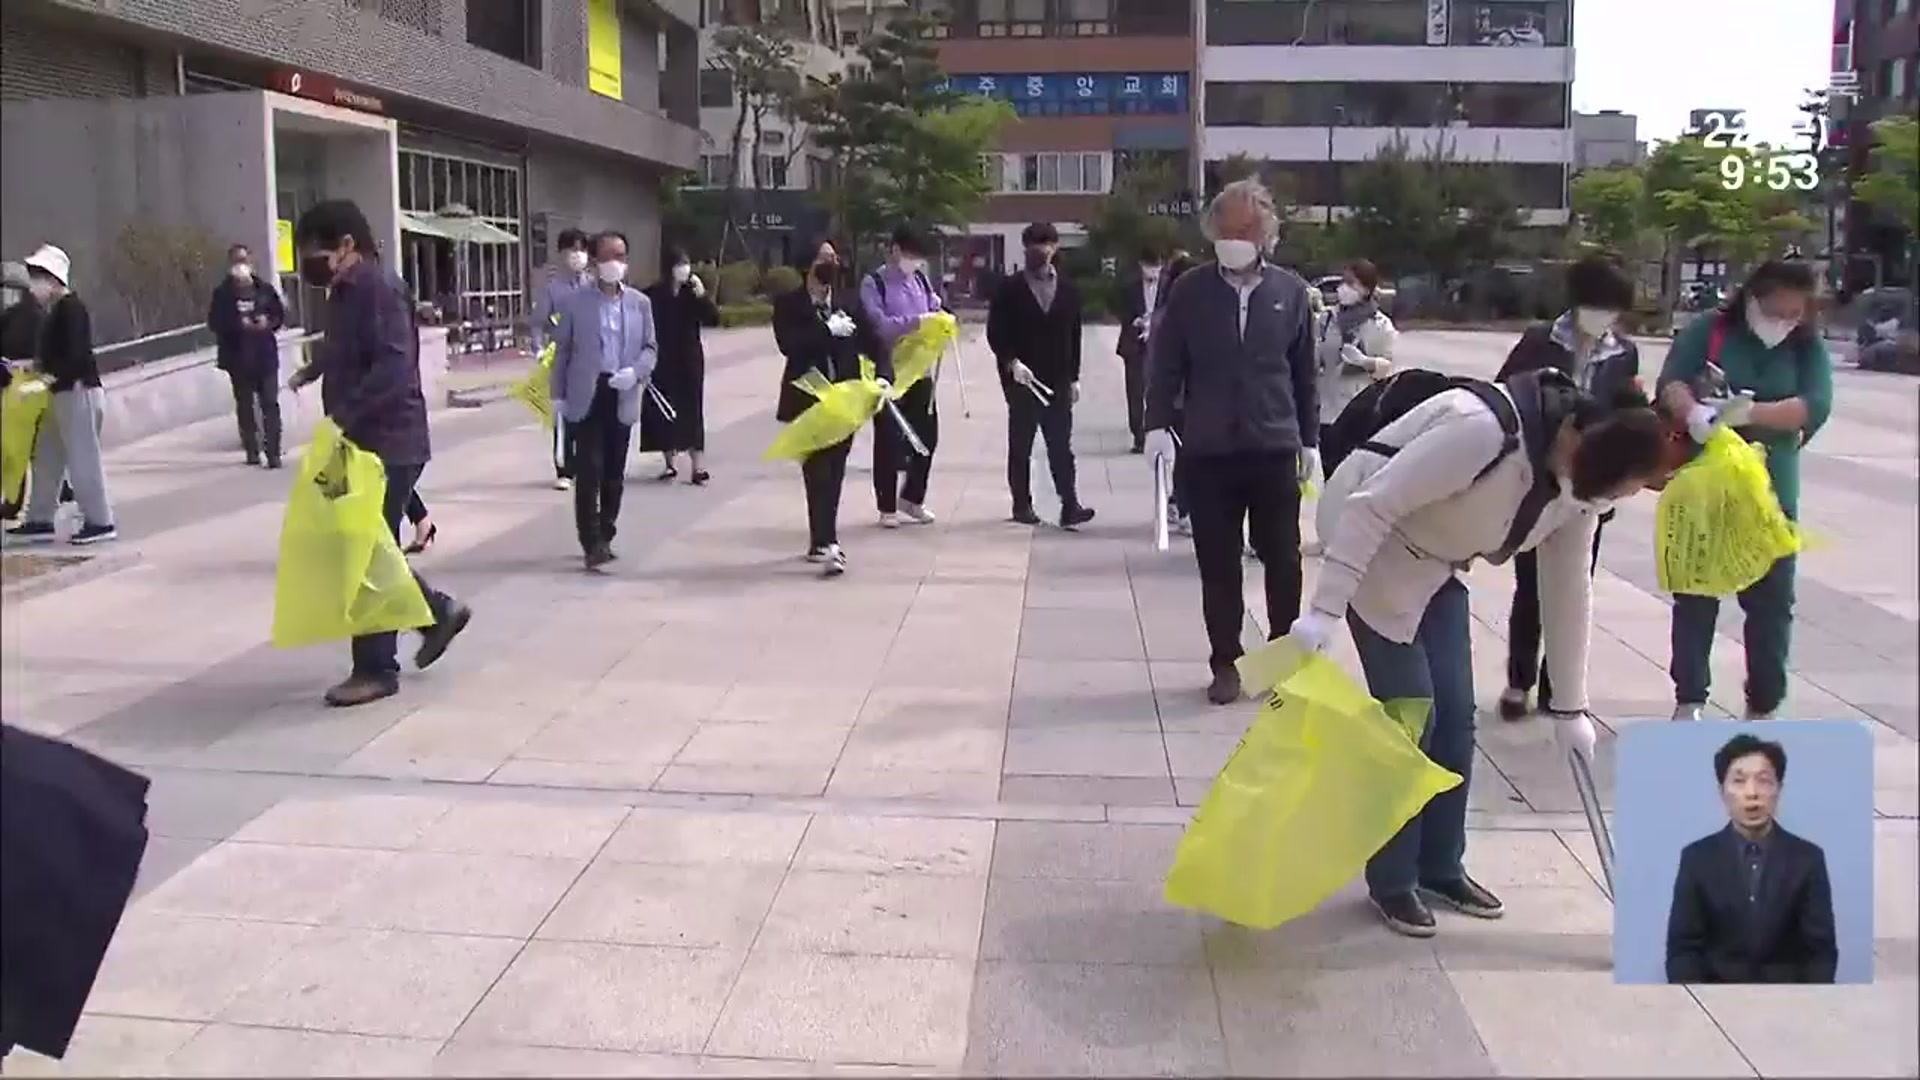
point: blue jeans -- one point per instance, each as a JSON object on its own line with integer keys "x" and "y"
{"x": 1768, "y": 633}
{"x": 378, "y": 655}
{"x": 1437, "y": 664}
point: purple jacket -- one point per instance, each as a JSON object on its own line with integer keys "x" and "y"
{"x": 369, "y": 365}
{"x": 906, "y": 298}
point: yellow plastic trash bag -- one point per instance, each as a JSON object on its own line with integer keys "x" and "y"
{"x": 917, "y": 351}
{"x": 839, "y": 410}
{"x": 1718, "y": 527}
{"x": 1319, "y": 783}
{"x": 536, "y": 390}
{"x": 341, "y": 572}
{"x": 22, "y": 410}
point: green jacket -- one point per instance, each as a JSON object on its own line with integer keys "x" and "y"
{"x": 1798, "y": 367}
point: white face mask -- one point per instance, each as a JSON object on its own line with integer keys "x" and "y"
{"x": 1347, "y": 295}
{"x": 681, "y": 273}
{"x": 613, "y": 271}
{"x": 241, "y": 272}
{"x": 1595, "y": 322}
{"x": 576, "y": 261}
{"x": 1236, "y": 254}
{"x": 910, "y": 265}
{"x": 42, "y": 290}
{"x": 1771, "y": 332}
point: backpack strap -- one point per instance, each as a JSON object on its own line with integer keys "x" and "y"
{"x": 879, "y": 284}
{"x": 1539, "y": 402}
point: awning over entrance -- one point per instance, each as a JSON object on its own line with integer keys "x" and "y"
{"x": 460, "y": 230}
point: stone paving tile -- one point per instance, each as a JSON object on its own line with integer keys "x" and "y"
{"x": 1562, "y": 1024}
{"x": 1084, "y": 752}
{"x": 852, "y": 783}
{"x": 876, "y": 915}
{"x": 897, "y": 844}
{"x": 702, "y": 906}
{"x": 1080, "y": 921}
{"x": 1307, "y": 1022}
{"x": 684, "y": 837}
{"x": 607, "y": 997}
{"x": 799, "y": 780}
{"x": 266, "y": 882}
{"x": 389, "y": 822}
{"x": 1033, "y": 849}
{"x": 229, "y": 1050}
{"x": 1859, "y": 1027}
{"x": 815, "y": 1006}
{"x": 434, "y": 892}
{"x": 521, "y": 828}
{"x": 110, "y": 1046}
{"x": 184, "y": 968}
{"x": 1033, "y": 1019}
{"x": 1088, "y": 790}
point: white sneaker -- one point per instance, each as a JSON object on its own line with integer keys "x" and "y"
{"x": 889, "y": 521}
{"x": 1184, "y": 526}
{"x": 916, "y": 513}
{"x": 561, "y": 483}
{"x": 834, "y": 562}
{"x": 816, "y": 555}
{"x": 1689, "y": 714}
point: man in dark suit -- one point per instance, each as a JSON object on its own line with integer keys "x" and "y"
{"x": 1139, "y": 298}
{"x": 1752, "y": 902}
{"x": 1034, "y": 327}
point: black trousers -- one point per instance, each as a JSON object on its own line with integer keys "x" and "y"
{"x": 600, "y": 467}
{"x": 379, "y": 654}
{"x": 824, "y": 473}
{"x": 1026, "y": 417}
{"x": 256, "y": 403}
{"x": 1523, "y": 621}
{"x": 1229, "y": 496}
{"x": 1135, "y": 364}
{"x": 893, "y": 457}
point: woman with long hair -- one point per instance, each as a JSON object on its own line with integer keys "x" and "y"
{"x": 681, "y": 306}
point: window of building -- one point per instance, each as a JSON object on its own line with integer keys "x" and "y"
{"x": 819, "y": 173}
{"x": 716, "y": 88}
{"x": 1378, "y": 22}
{"x": 1013, "y": 18}
{"x": 770, "y": 171}
{"x": 1086, "y": 18}
{"x": 1060, "y": 173}
{"x": 715, "y": 171}
{"x": 1283, "y": 22}
{"x": 1387, "y": 104}
{"x": 510, "y": 28}
{"x": 472, "y": 282}
{"x": 1273, "y": 104}
{"x": 1511, "y": 105}
{"x": 1144, "y": 18}
{"x": 1510, "y": 23}
{"x": 939, "y": 15}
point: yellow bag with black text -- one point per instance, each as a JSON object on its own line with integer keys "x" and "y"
{"x": 341, "y": 572}
{"x": 536, "y": 390}
{"x": 23, "y": 408}
{"x": 918, "y": 350}
{"x": 1320, "y": 782}
{"x": 838, "y": 412}
{"x": 1718, "y": 527}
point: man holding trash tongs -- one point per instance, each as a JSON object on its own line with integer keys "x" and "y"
{"x": 1034, "y": 327}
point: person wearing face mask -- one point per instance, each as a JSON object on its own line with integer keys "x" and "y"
{"x": 67, "y": 450}
{"x": 1758, "y": 366}
{"x": 1474, "y": 471}
{"x": 1354, "y": 345}
{"x": 819, "y": 329}
{"x": 896, "y": 297}
{"x": 604, "y": 355}
{"x": 369, "y": 372}
{"x": 569, "y": 274}
{"x": 245, "y": 316}
{"x": 1139, "y": 299}
{"x": 681, "y": 306}
{"x": 1034, "y": 328}
{"x": 1235, "y": 344}
{"x": 1584, "y": 343}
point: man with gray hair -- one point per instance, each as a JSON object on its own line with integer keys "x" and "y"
{"x": 1234, "y": 342}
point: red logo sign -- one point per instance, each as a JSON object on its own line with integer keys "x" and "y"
{"x": 327, "y": 90}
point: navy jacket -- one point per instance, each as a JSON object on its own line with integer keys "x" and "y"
{"x": 800, "y": 331}
{"x": 243, "y": 348}
{"x": 369, "y": 365}
{"x": 1716, "y": 933}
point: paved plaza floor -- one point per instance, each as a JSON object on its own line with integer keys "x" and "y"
{"x": 709, "y": 814}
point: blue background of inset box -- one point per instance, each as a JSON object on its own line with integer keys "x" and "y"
{"x": 1666, "y": 798}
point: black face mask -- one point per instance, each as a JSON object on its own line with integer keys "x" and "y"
{"x": 317, "y": 270}
{"x": 823, "y": 273}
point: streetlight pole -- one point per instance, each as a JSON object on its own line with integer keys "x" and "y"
{"x": 1339, "y": 118}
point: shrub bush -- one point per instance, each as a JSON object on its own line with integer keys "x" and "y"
{"x": 779, "y": 281}
{"x": 757, "y": 313}
{"x": 737, "y": 282}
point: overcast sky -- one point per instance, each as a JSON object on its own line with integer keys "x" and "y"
{"x": 1659, "y": 59}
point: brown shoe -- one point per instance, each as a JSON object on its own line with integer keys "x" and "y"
{"x": 362, "y": 690}
{"x": 1225, "y": 688}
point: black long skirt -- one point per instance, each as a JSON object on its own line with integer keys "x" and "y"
{"x": 681, "y": 379}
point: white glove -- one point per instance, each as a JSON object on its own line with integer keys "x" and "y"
{"x": 1309, "y": 463}
{"x": 624, "y": 380}
{"x": 886, "y": 387}
{"x": 1736, "y": 411}
{"x": 1701, "y": 422}
{"x": 699, "y": 287}
{"x": 1022, "y": 374}
{"x": 1159, "y": 444}
{"x": 1313, "y": 631}
{"x": 839, "y": 324}
{"x": 1140, "y": 323}
{"x": 1351, "y": 354}
{"x": 1573, "y": 732}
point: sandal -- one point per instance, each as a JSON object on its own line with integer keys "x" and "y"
{"x": 700, "y": 478}
{"x": 420, "y": 545}
{"x": 669, "y": 473}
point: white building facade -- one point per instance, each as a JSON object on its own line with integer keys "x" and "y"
{"x": 1317, "y": 87}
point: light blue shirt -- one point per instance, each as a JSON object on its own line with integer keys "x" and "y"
{"x": 613, "y": 331}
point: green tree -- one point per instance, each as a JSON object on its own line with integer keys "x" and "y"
{"x": 1122, "y": 224}
{"x": 1892, "y": 182}
{"x": 900, "y": 144}
{"x": 1610, "y": 206}
{"x": 1722, "y": 198}
{"x": 764, "y": 65}
{"x": 1428, "y": 213}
